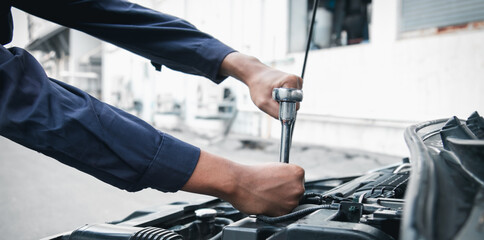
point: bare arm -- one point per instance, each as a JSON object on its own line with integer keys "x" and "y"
{"x": 271, "y": 189}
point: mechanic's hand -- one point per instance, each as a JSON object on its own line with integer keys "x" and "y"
{"x": 260, "y": 79}
{"x": 271, "y": 189}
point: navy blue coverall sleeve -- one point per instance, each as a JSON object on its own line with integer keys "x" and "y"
{"x": 71, "y": 126}
{"x": 162, "y": 38}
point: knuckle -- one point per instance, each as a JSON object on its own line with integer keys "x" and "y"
{"x": 293, "y": 81}
{"x": 300, "y": 191}
{"x": 298, "y": 171}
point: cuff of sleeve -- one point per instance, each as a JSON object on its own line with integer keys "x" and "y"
{"x": 172, "y": 166}
{"x": 214, "y": 53}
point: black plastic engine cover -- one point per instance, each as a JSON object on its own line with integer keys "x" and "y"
{"x": 318, "y": 225}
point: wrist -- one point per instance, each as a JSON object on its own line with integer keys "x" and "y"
{"x": 214, "y": 176}
{"x": 242, "y": 67}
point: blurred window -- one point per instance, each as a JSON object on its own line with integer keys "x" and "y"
{"x": 338, "y": 23}
{"x": 428, "y": 14}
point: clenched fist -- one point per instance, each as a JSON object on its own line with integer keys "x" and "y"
{"x": 261, "y": 80}
{"x": 271, "y": 189}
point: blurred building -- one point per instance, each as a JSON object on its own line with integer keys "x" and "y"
{"x": 66, "y": 55}
{"x": 376, "y": 66}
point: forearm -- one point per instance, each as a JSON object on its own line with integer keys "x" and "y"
{"x": 162, "y": 38}
{"x": 67, "y": 124}
{"x": 242, "y": 67}
{"x": 214, "y": 176}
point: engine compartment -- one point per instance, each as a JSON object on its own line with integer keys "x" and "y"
{"x": 359, "y": 207}
{"x": 441, "y": 184}
{"x": 365, "y": 207}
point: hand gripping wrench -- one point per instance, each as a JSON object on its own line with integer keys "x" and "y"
{"x": 287, "y": 98}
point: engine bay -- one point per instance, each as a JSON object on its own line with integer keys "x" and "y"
{"x": 440, "y": 184}
{"x": 364, "y": 207}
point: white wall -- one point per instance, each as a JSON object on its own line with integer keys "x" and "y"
{"x": 362, "y": 96}
{"x": 359, "y": 96}
{"x": 20, "y": 32}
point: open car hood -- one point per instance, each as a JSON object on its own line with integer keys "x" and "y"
{"x": 444, "y": 199}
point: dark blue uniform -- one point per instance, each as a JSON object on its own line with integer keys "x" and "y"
{"x": 71, "y": 126}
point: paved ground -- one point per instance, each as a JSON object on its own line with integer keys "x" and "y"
{"x": 40, "y": 196}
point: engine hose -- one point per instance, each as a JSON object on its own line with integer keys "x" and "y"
{"x": 293, "y": 215}
{"x": 317, "y": 198}
{"x": 223, "y": 221}
{"x": 312, "y": 194}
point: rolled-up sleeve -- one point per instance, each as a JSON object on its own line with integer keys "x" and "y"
{"x": 71, "y": 126}
{"x": 162, "y": 38}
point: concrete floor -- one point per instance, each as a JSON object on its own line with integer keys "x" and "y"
{"x": 40, "y": 197}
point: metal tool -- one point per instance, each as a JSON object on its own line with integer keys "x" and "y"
{"x": 287, "y": 98}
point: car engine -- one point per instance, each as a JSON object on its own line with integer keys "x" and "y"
{"x": 436, "y": 193}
